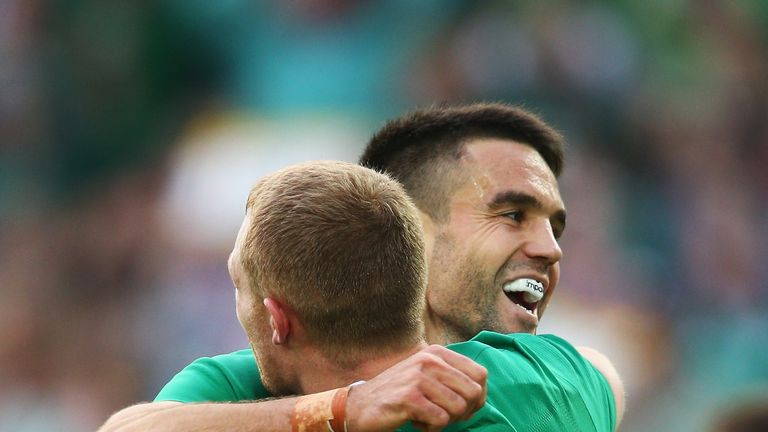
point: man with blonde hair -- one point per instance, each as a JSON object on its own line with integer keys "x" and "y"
{"x": 330, "y": 274}
{"x": 330, "y": 271}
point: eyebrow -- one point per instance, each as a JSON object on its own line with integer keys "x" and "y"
{"x": 520, "y": 199}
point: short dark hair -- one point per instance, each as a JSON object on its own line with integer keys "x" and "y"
{"x": 343, "y": 246}
{"x": 420, "y": 148}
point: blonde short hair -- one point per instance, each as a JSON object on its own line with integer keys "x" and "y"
{"x": 343, "y": 246}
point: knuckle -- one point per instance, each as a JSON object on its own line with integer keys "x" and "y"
{"x": 442, "y": 419}
{"x": 428, "y": 361}
{"x": 422, "y": 357}
{"x": 482, "y": 374}
{"x": 435, "y": 416}
{"x": 459, "y": 407}
{"x": 476, "y": 391}
{"x": 431, "y": 362}
{"x": 436, "y": 350}
{"x": 413, "y": 397}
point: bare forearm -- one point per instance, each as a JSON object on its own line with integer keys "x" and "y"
{"x": 433, "y": 387}
{"x": 271, "y": 415}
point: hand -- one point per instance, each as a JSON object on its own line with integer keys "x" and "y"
{"x": 432, "y": 388}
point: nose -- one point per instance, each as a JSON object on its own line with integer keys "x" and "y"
{"x": 541, "y": 243}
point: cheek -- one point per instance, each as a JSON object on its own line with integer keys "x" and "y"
{"x": 555, "y": 269}
{"x": 244, "y": 311}
{"x": 554, "y": 278}
{"x": 453, "y": 270}
{"x": 239, "y": 305}
{"x": 496, "y": 247}
{"x": 554, "y": 275}
{"x": 502, "y": 244}
{"x": 242, "y": 317}
{"x": 445, "y": 268}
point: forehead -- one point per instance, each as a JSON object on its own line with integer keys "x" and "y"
{"x": 499, "y": 165}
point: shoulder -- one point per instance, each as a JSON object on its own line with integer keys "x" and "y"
{"x": 242, "y": 360}
{"x": 222, "y": 378}
{"x": 521, "y": 365}
{"x": 558, "y": 352}
{"x": 234, "y": 366}
{"x": 522, "y": 345}
{"x": 605, "y": 367}
{"x": 524, "y": 358}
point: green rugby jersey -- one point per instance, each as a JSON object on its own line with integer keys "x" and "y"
{"x": 535, "y": 383}
{"x": 223, "y": 378}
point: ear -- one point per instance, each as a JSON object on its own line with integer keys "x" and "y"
{"x": 278, "y": 320}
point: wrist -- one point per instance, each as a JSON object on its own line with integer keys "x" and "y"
{"x": 341, "y": 421}
{"x": 321, "y": 412}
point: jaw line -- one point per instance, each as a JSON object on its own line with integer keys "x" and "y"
{"x": 515, "y": 323}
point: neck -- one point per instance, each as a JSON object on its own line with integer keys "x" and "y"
{"x": 438, "y": 332}
{"x": 323, "y": 374}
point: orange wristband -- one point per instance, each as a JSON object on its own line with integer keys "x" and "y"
{"x": 322, "y": 412}
{"x": 339, "y": 410}
{"x": 312, "y": 413}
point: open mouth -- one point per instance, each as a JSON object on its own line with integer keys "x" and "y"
{"x": 525, "y": 293}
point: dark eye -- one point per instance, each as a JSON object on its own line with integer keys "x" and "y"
{"x": 558, "y": 226}
{"x": 516, "y": 215}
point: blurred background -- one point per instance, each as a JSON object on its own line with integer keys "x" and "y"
{"x": 131, "y": 131}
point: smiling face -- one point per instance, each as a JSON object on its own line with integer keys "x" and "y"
{"x": 502, "y": 231}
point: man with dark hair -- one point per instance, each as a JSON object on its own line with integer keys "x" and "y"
{"x": 418, "y": 149}
{"x": 483, "y": 178}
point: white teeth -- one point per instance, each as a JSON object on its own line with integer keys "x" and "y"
{"x": 533, "y": 290}
{"x": 523, "y": 308}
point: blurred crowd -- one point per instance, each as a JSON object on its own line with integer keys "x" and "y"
{"x": 130, "y": 133}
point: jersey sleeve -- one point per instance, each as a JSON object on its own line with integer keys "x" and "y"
{"x": 592, "y": 385}
{"x": 224, "y": 378}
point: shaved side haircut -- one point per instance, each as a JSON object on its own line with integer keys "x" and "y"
{"x": 422, "y": 149}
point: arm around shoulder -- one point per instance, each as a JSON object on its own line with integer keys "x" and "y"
{"x": 605, "y": 367}
{"x": 136, "y": 416}
{"x": 273, "y": 415}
